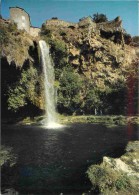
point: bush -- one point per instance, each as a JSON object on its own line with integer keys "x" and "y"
{"x": 59, "y": 53}
{"x": 3, "y": 34}
{"x": 59, "y": 48}
{"x": 122, "y": 183}
{"x": 54, "y": 18}
{"x": 97, "y": 18}
{"x": 46, "y": 32}
{"x": 12, "y": 27}
{"x": 105, "y": 178}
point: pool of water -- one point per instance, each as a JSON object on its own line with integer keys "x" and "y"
{"x": 54, "y": 161}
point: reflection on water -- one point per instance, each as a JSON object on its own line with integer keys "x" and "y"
{"x": 55, "y": 161}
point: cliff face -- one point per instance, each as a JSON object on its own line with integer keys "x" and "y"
{"x": 17, "y": 45}
{"x": 99, "y": 55}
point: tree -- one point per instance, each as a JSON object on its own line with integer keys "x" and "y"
{"x": 92, "y": 101}
{"x": 23, "y": 90}
{"x": 68, "y": 94}
{"x": 97, "y": 18}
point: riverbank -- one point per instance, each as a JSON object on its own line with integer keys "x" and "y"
{"x": 108, "y": 120}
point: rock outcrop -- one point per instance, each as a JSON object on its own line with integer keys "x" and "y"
{"x": 96, "y": 51}
{"x": 122, "y": 173}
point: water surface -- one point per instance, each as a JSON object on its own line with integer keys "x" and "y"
{"x": 55, "y": 161}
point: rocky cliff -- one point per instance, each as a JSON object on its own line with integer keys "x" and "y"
{"x": 102, "y": 53}
{"x": 94, "y": 64}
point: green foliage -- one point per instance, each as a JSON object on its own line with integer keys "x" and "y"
{"x": 104, "y": 178}
{"x": 3, "y": 34}
{"x": 7, "y": 156}
{"x": 97, "y": 18}
{"x": 68, "y": 94}
{"x": 24, "y": 89}
{"x": 6, "y": 31}
{"x": 100, "y": 178}
{"x": 16, "y": 98}
{"x": 92, "y": 99}
{"x": 46, "y": 32}
{"x": 122, "y": 183}
{"x": 59, "y": 55}
{"x": 59, "y": 48}
{"x": 58, "y": 72}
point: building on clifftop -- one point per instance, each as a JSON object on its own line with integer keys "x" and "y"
{"x": 21, "y": 18}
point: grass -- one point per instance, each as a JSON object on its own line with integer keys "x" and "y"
{"x": 107, "y": 120}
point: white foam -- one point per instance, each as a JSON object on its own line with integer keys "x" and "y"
{"x": 53, "y": 125}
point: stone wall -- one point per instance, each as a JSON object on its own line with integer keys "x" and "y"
{"x": 113, "y": 25}
{"x": 34, "y": 31}
{"x": 85, "y": 22}
{"x": 62, "y": 23}
{"x": 21, "y": 18}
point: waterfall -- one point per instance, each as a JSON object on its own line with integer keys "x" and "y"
{"x": 49, "y": 89}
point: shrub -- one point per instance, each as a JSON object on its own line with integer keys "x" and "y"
{"x": 59, "y": 53}
{"x": 97, "y": 18}
{"x": 122, "y": 183}
{"x": 100, "y": 178}
{"x": 54, "y": 18}
{"x": 12, "y": 27}
{"x": 3, "y": 34}
{"x": 105, "y": 178}
{"x": 46, "y": 32}
{"x": 59, "y": 48}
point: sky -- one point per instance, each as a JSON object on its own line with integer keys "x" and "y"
{"x": 73, "y": 10}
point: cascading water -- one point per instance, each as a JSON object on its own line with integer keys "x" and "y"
{"x": 49, "y": 90}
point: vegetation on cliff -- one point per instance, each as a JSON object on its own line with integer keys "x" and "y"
{"x": 22, "y": 85}
{"x": 117, "y": 175}
{"x": 93, "y": 70}
{"x": 101, "y": 66}
{"x": 99, "y": 18}
{"x": 23, "y": 90}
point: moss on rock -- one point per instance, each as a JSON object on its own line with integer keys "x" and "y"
{"x": 119, "y": 175}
